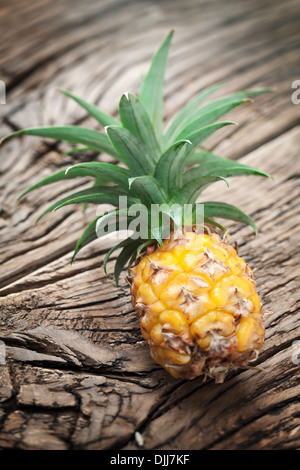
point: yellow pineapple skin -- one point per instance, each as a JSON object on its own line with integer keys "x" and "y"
{"x": 197, "y": 305}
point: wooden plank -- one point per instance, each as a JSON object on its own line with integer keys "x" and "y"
{"x": 78, "y": 374}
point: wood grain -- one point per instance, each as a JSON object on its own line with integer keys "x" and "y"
{"x": 77, "y": 373}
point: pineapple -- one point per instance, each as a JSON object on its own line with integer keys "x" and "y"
{"x": 197, "y": 306}
{"x": 195, "y": 297}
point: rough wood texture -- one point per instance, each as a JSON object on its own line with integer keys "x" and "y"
{"x": 77, "y": 373}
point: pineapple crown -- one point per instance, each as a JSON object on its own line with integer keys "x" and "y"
{"x": 156, "y": 166}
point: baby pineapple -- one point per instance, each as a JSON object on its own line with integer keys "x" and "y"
{"x": 197, "y": 305}
{"x": 195, "y": 297}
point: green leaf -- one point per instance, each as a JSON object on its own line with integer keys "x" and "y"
{"x": 204, "y": 220}
{"x": 94, "y": 111}
{"x": 196, "y": 138}
{"x": 226, "y": 100}
{"x": 189, "y": 193}
{"x": 152, "y": 88}
{"x": 169, "y": 168}
{"x": 60, "y": 175}
{"x": 227, "y": 211}
{"x": 181, "y": 118}
{"x": 109, "y": 195}
{"x": 123, "y": 258}
{"x": 87, "y": 237}
{"x": 76, "y": 150}
{"x": 110, "y": 228}
{"x": 131, "y": 150}
{"x": 129, "y": 247}
{"x": 221, "y": 106}
{"x": 157, "y": 234}
{"x": 143, "y": 246}
{"x": 148, "y": 189}
{"x": 206, "y": 118}
{"x": 113, "y": 217}
{"x": 99, "y": 181}
{"x": 132, "y": 260}
{"x": 106, "y": 171}
{"x": 176, "y": 214}
{"x": 75, "y": 135}
{"x": 113, "y": 249}
{"x": 135, "y": 118}
{"x": 92, "y": 196}
{"x": 209, "y": 221}
{"x": 214, "y": 165}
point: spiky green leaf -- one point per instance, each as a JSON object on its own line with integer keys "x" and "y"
{"x": 212, "y": 222}
{"x": 133, "y": 153}
{"x": 206, "y": 118}
{"x": 123, "y": 258}
{"x": 99, "y": 195}
{"x": 226, "y": 100}
{"x": 75, "y": 150}
{"x": 74, "y": 134}
{"x": 213, "y": 110}
{"x": 211, "y": 164}
{"x": 108, "y": 195}
{"x": 227, "y": 211}
{"x": 176, "y": 214}
{"x": 113, "y": 221}
{"x": 113, "y": 249}
{"x": 87, "y": 237}
{"x": 189, "y": 193}
{"x": 181, "y": 117}
{"x": 148, "y": 189}
{"x": 152, "y": 87}
{"x": 157, "y": 234}
{"x": 169, "y": 168}
{"x": 129, "y": 246}
{"x": 94, "y": 111}
{"x": 144, "y": 245}
{"x": 196, "y": 138}
{"x": 134, "y": 117}
{"x": 98, "y": 182}
{"x": 106, "y": 171}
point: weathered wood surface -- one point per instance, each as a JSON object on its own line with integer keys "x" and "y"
{"x": 77, "y": 373}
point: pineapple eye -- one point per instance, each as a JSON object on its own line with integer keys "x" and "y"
{"x": 250, "y": 334}
{"x": 213, "y": 323}
{"x": 230, "y": 288}
{"x": 173, "y": 320}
